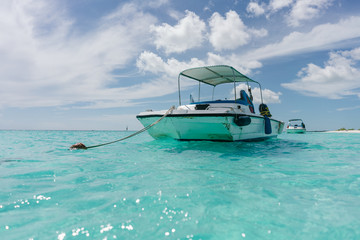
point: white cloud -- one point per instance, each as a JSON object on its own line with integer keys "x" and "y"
{"x": 167, "y": 72}
{"x": 348, "y": 108}
{"x": 255, "y": 9}
{"x": 354, "y": 54}
{"x": 151, "y": 62}
{"x": 321, "y": 37}
{"x": 267, "y": 95}
{"x": 175, "y": 14}
{"x": 337, "y": 79}
{"x": 258, "y": 32}
{"x": 306, "y": 9}
{"x": 155, "y": 3}
{"x": 187, "y": 34}
{"x": 47, "y": 62}
{"x": 244, "y": 65}
{"x": 230, "y": 32}
{"x": 299, "y": 10}
{"x": 276, "y": 5}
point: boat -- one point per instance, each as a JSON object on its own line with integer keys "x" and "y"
{"x": 295, "y": 126}
{"x": 215, "y": 120}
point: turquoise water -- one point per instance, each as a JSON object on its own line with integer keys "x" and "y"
{"x": 293, "y": 187}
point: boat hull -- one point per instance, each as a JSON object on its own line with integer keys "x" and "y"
{"x": 209, "y": 127}
{"x": 295, "y": 130}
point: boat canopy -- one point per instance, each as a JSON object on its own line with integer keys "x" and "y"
{"x": 293, "y": 120}
{"x": 215, "y": 75}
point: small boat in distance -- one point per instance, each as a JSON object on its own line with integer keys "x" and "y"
{"x": 215, "y": 120}
{"x": 295, "y": 126}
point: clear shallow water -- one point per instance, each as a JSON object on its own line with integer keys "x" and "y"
{"x": 293, "y": 187}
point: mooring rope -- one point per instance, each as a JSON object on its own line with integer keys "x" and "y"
{"x": 82, "y": 146}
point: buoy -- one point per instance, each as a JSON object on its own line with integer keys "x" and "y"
{"x": 267, "y": 125}
{"x": 78, "y": 146}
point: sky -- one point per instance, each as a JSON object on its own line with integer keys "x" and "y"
{"x": 94, "y": 65}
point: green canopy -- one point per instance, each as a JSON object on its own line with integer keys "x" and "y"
{"x": 215, "y": 75}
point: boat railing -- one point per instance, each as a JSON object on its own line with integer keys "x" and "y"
{"x": 238, "y": 101}
{"x": 221, "y": 107}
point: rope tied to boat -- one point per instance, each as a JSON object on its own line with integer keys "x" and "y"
{"x": 82, "y": 146}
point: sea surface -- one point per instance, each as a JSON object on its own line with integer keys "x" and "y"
{"x": 291, "y": 187}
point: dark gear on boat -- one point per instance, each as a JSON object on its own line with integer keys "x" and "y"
{"x": 251, "y": 96}
{"x": 242, "y": 120}
{"x": 264, "y": 110}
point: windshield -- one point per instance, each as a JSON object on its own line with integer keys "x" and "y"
{"x": 295, "y": 123}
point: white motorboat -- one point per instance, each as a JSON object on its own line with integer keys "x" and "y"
{"x": 295, "y": 126}
{"x": 215, "y": 120}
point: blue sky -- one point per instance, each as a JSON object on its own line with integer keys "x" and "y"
{"x": 91, "y": 64}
